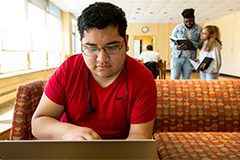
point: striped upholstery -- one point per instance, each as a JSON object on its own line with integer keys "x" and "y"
{"x": 27, "y": 99}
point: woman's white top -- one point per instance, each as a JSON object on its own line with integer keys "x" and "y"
{"x": 215, "y": 53}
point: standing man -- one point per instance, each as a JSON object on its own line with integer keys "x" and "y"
{"x": 180, "y": 53}
{"x": 102, "y": 93}
{"x": 149, "y": 58}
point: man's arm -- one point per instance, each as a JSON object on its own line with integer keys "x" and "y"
{"x": 46, "y": 124}
{"x": 197, "y": 42}
{"x": 175, "y": 45}
{"x": 140, "y": 58}
{"x": 141, "y": 131}
{"x": 159, "y": 59}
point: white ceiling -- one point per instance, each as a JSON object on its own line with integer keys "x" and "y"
{"x": 160, "y": 11}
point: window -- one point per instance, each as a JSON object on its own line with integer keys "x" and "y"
{"x": 15, "y": 37}
{"x": 74, "y": 39}
{"x": 14, "y": 27}
{"x": 30, "y": 37}
{"x": 74, "y": 36}
{"x": 54, "y": 26}
{"x": 38, "y": 28}
{"x": 13, "y": 61}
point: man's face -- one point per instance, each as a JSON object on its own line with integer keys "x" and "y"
{"x": 189, "y": 22}
{"x": 104, "y": 65}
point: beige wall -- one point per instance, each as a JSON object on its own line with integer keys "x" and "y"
{"x": 161, "y": 32}
{"x": 135, "y": 30}
{"x": 230, "y": 35}
{"x": 146, "y": 41}
{"x": 66, "y": 32}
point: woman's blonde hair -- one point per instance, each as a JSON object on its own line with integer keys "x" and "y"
{"x": 214, "y": 39}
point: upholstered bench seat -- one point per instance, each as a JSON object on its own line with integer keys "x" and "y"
{"x": 27, "y": 99}
{"x": 198, "y": 145}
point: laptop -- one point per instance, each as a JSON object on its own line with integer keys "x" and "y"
{"x": 94, "y": 149}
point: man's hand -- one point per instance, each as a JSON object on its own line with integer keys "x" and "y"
{"x": 46, "y": 124}
{"x": 80, "y": 133}
{"x": 203, "y": 71}
{"x": 196, "y": 60}
{"x": 181, "y": 46}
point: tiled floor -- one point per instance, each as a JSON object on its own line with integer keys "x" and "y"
{"x": 6, "y": 117}
{"x": 196, "y": 75}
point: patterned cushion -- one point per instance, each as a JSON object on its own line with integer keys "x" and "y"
{"x": 198, "y": 105}
{"x": 27, "y": 99}
{"x": 198, "y": 145}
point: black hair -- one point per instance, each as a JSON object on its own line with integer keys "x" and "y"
{"x": 149, "y": 47}
{"x": 188, "y": 13}
{"x": 101, "y": 14}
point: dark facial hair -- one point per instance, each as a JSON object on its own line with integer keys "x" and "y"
{"x": 190, "y": 26}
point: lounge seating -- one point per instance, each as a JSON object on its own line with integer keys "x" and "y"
{"x": 198, "y": 119}
{"x": 27, "y": 99}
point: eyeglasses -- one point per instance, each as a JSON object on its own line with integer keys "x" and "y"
{"x": 94, "y": 51}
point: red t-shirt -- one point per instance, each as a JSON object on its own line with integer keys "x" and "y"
{"x": 68, "y": 86}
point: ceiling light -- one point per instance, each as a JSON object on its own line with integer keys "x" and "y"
{"x": 151, "y": 12}
{"x": 138, "y": 8}
{"x": 230, "y": 10}
{"x": 136, "y": 12}
{"x": 164, "y": 12}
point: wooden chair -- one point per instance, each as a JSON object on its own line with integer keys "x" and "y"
{"x": 161, "y": 69}
{"x": 26, "y": 102}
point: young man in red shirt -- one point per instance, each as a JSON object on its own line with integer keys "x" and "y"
{"x": 102, "y": 93}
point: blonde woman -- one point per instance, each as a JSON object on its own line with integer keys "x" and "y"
{"x": 210, "y": 46}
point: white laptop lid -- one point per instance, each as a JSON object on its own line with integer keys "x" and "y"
{"x": 95, "y": 149}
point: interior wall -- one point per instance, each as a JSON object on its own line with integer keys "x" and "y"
{"x": 161, "y": 32}
{"x": 230, "y": 35}
{"x": 229, "y": 28}
{"x": 146, "y": 41}
{"x": 67, "y": 32}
